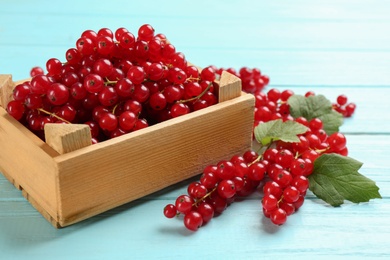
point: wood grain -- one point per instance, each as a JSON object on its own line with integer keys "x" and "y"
{"x": 65, "y": 138}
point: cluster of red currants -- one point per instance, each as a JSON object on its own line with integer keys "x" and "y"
{"x": 279, "y": 170}
{"x": 218, "y": 186}
{"x": 289, "y": 164}
{"x": 116, "y": 83}
{"x": 252, "y": 79}
{"x": 343, "y": 107}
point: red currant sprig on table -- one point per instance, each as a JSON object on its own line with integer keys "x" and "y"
{"x": 272, "y": 104}
{"x": 343, "y": 107}
{"x": 116, "y": 82}
{"x": 217, "y": 188}
{"x": 280, "y": 170}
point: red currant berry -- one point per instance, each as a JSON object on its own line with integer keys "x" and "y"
{"x": 124, "y": 88}
{"x": 218, "y": 203}
{"x": 241, "y": 169}
{"x": 238, "y": 183}
{"x": 170, "y": 211}
{"x": 269, "y": 202}
{"x": 342, "y": 100}
{"x": 108, "y": 97}
{"x": 146, "y": 32}
{"x": 350, "y": 109}
{"x": 299, "y": 202}
{"x": 127, "y": 120}
{"x": 184, "y": 204}
{"x": 136, "y": 74}
{"x": 226, "y": 170}
{"x": 273, "y": 95}
{"x": 272, "y": 188}
{"x": 298, "y": 167}
{"x": 108, "y": 122}
{"x": 256, "y": 171}
{"x": 173, "y": 93}
{"x": 73, "y": 56}
{"x": 278, "y": 216}
{"x": 36, "y": 71}
{"x": 21, "y": 91}
{"x": 315, "y": 124}
{"x": 337, "y": 141}
{"x": 193, "y": 220}
{"x": 288, "y": 207}
{"x": 179, "y": 109}
{"x": 103, "y": 67}
{"x": 85, "y": 46}
{"x": 250, "y": 156}
{"x": 284, "y": 158}
{"x": 286, "y": 94}
{"x": 105, "y": 45}
{"x": 53, "y": 66}
{"x": 126, "y": 40}
{"x": 16, "y": 109}
{"x": 290, "y": 194}
{"x": 209, "y": 180}
{"x": 141, "y": 93}
{"x": 283, "y": 178}
{"x": 206, "y": 210}
{"x": 93, "y": 83}
{"x": 33, "y": 101}
{"x": 226, "y": 189}
{"x": 157, "y": 101}
{"x": 40, "y": 84}
{"x": 301, "y": 183}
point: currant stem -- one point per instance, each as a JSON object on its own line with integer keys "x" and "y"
{"x": 261, "y": 151}
{"x": 205, "y": 196}
{"x": 320, "y": 151}
{"x": 256, "y": 160}
{"x": 114, "y": 108}
{"x": 197, "y": 97}
{"x": 192, "y": 79}
{"x": 108, "y": 82}
{"x": 53, "y": 115}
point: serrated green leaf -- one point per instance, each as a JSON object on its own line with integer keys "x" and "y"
{"x": 331, "y": 121}
{"x": 316, "y": 107}
{"x": 335, "y": 178}
{"x": 275, "y": 130}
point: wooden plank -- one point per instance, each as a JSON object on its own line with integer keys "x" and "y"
{"x": 28, "y": 161}
{"x": 65, "y": 138}
{"x": 229, "y": 87}
{"x": 99, "y": 177}
{"x": 6, "y": 87}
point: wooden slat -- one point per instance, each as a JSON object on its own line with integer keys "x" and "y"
{"x": 229, "y": 87}
{"x": 65, "y": 138}
{"x": 6, "y": 87}
{"x": 27, "y": 164}
{"x": 108, "y": 174}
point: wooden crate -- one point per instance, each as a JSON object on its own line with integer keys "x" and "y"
{"x": 67, "y": 184}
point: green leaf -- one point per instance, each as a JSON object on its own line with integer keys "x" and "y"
{"x": 275, "y": 130}
{"x": 316, "y": 107}
{"x": 335, "y": 178}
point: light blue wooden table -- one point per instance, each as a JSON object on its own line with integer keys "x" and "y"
{"x": 330, "y": 47}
